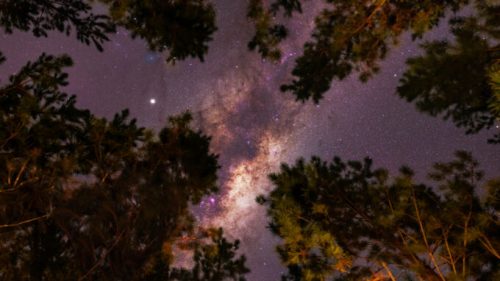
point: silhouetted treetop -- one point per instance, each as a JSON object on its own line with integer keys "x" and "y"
{"x": 43, "y": 16}
{"x": 348, "y": 221}
{"x": 183, "y": 28}
{"x": 82, "y": 197}
{"x": 456, "y": 80}
{"x": 348, "y": 36}
{"x": 214, "y": 261}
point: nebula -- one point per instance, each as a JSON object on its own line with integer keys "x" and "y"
{"x": 254, "y": 128}
{"x": 247, "y": 179}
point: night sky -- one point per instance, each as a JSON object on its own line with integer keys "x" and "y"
{"x": 234, "y": 96}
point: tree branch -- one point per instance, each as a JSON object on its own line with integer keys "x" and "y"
{"x": 486, "y": 243}
{"x": 21, "y": 223}
{"x": 101, "y": 259}
{"x": 452, "y": 261}
{"x": 369, "y": 18}
{"x": 424, "y": 236}
{"x": 389, "y": 272}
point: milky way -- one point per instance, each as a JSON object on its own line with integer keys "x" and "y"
{"x": 254, "y": 129}
{"x": 234, "y": 97}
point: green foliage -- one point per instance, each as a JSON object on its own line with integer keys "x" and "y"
{"x": 184, "y": 28}
{"x": 348, "y": 221}
{"x": 43, "y": 16}
{"x": 84, "y": 197}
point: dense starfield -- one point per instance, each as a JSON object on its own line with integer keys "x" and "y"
{"x": 235, "y": 98}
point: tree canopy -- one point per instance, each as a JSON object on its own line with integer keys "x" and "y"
{"x": 348, "y": 36}
{"x": 182, "y": 28}
{"x": 453, "y": 79}
{"x": 82, "y": 197}
{"x": 212, "y": 262}
{"x": 348, "y": 221}
{"x": 42, "y": 17}
{"x": 456, "y": 80}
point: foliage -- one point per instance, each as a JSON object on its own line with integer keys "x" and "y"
{"x": 43, "y": 16}
{"x": 494, "y": 106}
{"x": 183, "y": 28}
{"x": 214, "y": 261}
{"x": 267, "y": 34}
{"x": 457, "y": 80}
{"x": 348, "y": 221}
{"x": 348, "y": 35}
{"x": 453, "y": 79}
{"x": 82, "y": 197}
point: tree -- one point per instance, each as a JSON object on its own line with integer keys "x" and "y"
{"x": 2, "y": 58}
{"x": 41, "y": 17}
{"x": 348, "y": 36}
{"x": 82, "y": 197}
{"x": 183, "y": 28}
{"x": 348, "y": 221}
{"x": 212, "y": 262}
{"x": 494, "y": 75}
{"x": 268, "y": 35}
{"x": 457, "y": 80}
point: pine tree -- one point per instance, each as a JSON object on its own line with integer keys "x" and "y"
{"x": 348, "y": 36}
{"x": 348, "y": 221}
{"x": 456, "y": 80}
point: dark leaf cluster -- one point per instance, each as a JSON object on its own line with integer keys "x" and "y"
{"x": 82, "y": 197}
{"x": 214, "y": 262}
{"x": 348, "y": 221}
{"x": 42, "y": 16}
{"x": 355, "y": 36}
{"x": 268, "y": 34}
{"x": 457, "y": 80}
{"x": 183, "y": 28}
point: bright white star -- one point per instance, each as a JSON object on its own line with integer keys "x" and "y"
{"x": 152, "y": 101}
